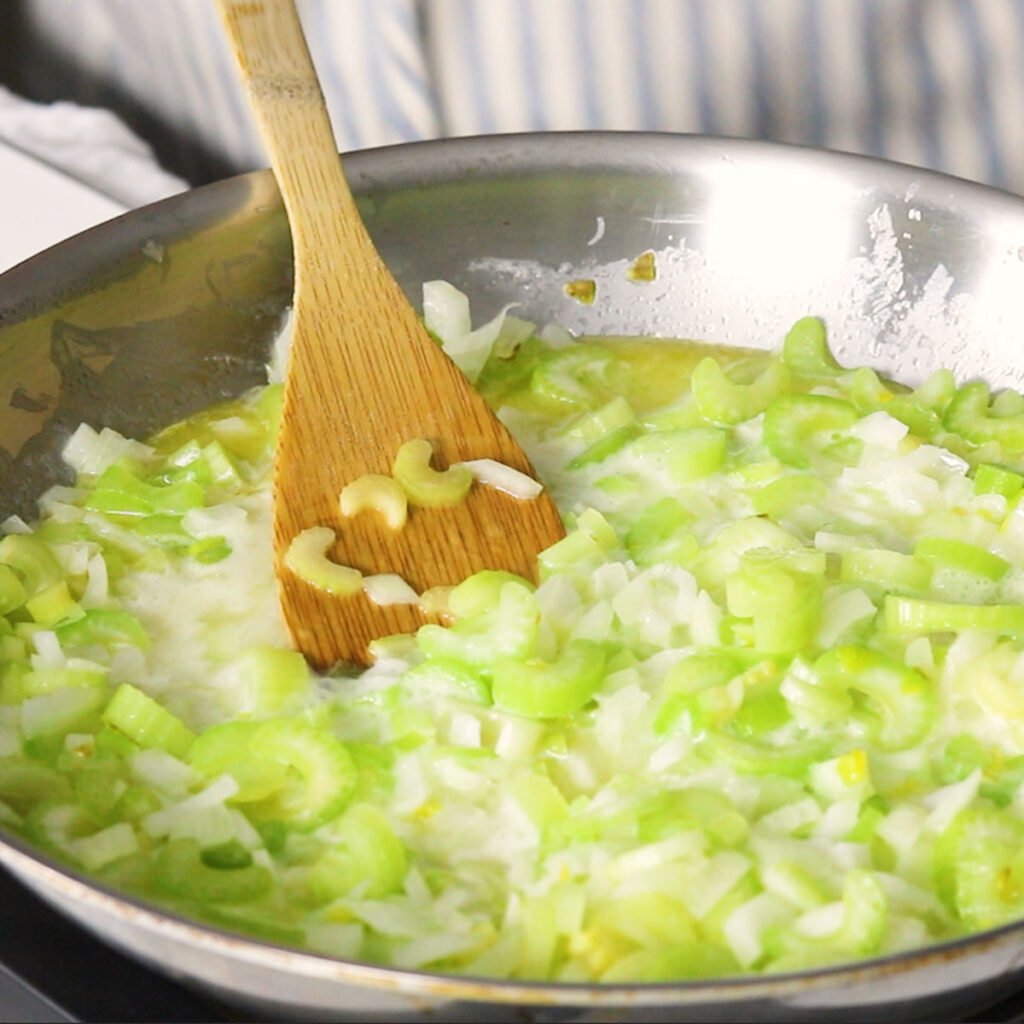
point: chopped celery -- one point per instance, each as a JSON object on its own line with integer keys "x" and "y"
{"x": 970, "y": 416}
{"x": 324, "y": 770}
{"x": 549, "y": 690}
{"x": 425, "y": 486}
{"x": 805, "y": 349}
{"x": 797, "y": 425}
{"x": 307, "y": 558}
{"x": 111, "y": 627}
{"x": 181, "y": 873}
{"x": 146, "y": 722}
{"x": 696, "y": 750}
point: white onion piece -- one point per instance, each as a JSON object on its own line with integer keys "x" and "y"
{"x": 504, "y": 478}
{"x": 389, "y": 588}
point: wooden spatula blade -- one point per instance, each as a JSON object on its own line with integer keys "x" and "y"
{"x": 364, "y": 377}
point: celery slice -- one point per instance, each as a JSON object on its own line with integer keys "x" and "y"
{"x": 181, "y": 873}
{"x": 326, "y": 774}
{"x": 723, "y": 402}
{"x": 424, "y": 486}
{"x": 805, "y": 349}
{"x": 539, "y": 689}
{"x": 110, "y": 627}
{"x": 146, "y": 722}
{"x": 365, "y": 856}
{"x": 377, "y": 493}
{"x": 32, "y": 560}
{"x": 797, "y": 425}
{"x": 912, "y": 615}
{"x": 957, "y": 554}
{"x": 307, "y": 558}
{"x": 970, "y": 416}
{"x": 905, "y": 698}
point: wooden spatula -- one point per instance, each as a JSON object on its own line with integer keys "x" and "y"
{"x": 364, "y": 378}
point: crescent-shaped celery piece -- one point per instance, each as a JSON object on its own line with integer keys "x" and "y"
{"x": 376, "y": 493}
{"x": 307, "y": 558}
{"x": 425, "y": 486}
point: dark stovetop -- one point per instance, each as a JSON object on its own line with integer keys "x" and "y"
{"x": 51, "y": 970}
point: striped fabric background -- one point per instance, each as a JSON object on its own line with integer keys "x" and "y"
{"x": 933, "y": 82}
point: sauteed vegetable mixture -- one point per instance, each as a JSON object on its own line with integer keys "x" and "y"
{"x": 764, "y": 711}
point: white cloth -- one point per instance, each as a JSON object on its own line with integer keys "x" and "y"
{"x": 931, "y": 82}
{"x": 90, "y": 145}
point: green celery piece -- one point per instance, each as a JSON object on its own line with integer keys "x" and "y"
{"x": 425, "y": 486}
{"x": 865, "y": 915}
{"x": 571, "y": 379}
{"x": 936, "y": 391}
{"x": 913, "y": 615}
{"x": 147, "y": 722}
{"x": 646, "y": 919}
{"x": 549, "y": 690}
{"x": 274, "y": 678}
{"x": 906, "y": 699}
{"x": 508, "y": 630}
{"x": 1003, "y": 779}
{"x": 797, "y": 425}
{"x": 165, "y": 530}
{"x": 32, "y": 560}
{"x": 506, "y": 380}
{"x": 118, "y": 491}
{"x": 454, "y": 678}
{"x": 865, "y": 390}
{"x": 977, "y": 866}
{"x": 230, "y": 855}
{"x": 920, "y": 411}
{"x": 686, "y": 961}
{"x": 723, "y": 402}
{"x": 685, "y": 455}
{"x": 99, "y": 784}
{"x": 24, "y": 783}
{"x": 54, "y": 605}
{"x": 992, "y": 479}
{"x": 481, "y": 592}
{"x": 76, "y": 673}
{"x": 605, "y": 447}
{"x": 539, "y": 798}
{"x": 784, "y": 603}
{"x": 659, "y": 522}
{"x": 970, "y": 416}
{"x": 750, "y": 757}
{"x": 224, "y": 749}
{"x": 180, "y": 873}
{"x": 12, "y": 590}
{"x": 889, "y": 570}
{"x": 788, "y": 494}
{"x": 324, "y": 769}
{"x": 920, "y": 421}
{"x": 364, "y": 852}
{"x": 711, "y": 812}
{"x": 109, "y": 627}
{"x": 949, "y": 553}
{"x": 723, "y": 556}
{"x": 961, "y": 755}
{"x": 806, "y": 352}
{"x": 610, "y": 418}
{"x": 116, "y": 744}
{"x": 764, "y": 709}
{"x": 696, "y": 674}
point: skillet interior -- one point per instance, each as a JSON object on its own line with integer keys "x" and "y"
{"x": 159, "y": 313}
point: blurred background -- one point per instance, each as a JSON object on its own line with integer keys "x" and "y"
{"x": 938, "y": 83}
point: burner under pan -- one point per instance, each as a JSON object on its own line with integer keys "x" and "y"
{"x": 53, "y": 971}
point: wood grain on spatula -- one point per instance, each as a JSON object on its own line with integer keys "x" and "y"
{"x": 364, "y": 377}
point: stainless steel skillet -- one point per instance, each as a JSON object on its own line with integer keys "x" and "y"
{"x": 160, "y": 312}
